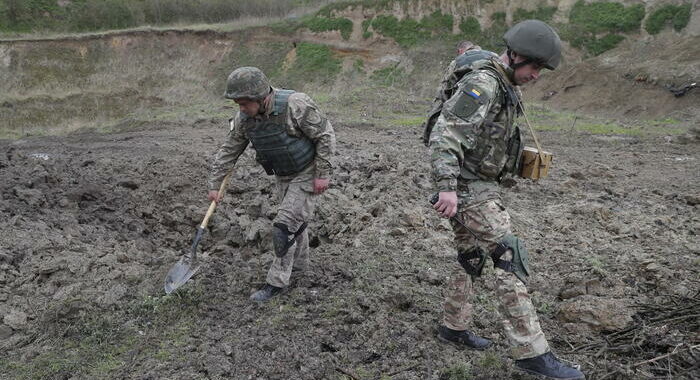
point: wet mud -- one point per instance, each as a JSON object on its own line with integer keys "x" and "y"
{"x": 92, "y": 223}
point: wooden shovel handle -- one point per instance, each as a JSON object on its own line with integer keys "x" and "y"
{"x": 212, "y": 206}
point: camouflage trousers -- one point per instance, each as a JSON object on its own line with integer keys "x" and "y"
{"x": 296, "y": 197}
{"x": 483, "y": 212}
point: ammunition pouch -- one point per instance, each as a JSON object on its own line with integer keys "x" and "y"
{"x": 514, "y": 152}
{"x": 519, "y": 264}
{"x": 465, "y": 257}
{"x": 282, "y": 239}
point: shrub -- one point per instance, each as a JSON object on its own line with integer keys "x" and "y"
{"x": 438, "y": 23}
{"x": 605, "y": 43}
{"x": 606, "y": 16}
{"x": 406, "y": 32}
{"x": 470, "y": 27}
{"x": 323, "y": 24}
{"x": 315, "y": 62}
{"x": 587, "y": 21}
{"x": 540, "y": 13}
{"x": 678, "y": 16}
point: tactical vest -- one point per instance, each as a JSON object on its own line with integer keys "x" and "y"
{"x": 276, "y": 150}
{"x": 498, "y": 145}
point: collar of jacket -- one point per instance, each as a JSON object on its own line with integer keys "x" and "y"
{"x": 505, "y": 71}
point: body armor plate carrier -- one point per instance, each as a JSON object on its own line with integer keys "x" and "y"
{"x": 276, "y": 150}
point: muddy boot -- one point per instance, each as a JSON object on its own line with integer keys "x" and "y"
{"x": 550, "y": 367}
{"x": 462, "y": 338}
{"x": 265, "y": 293}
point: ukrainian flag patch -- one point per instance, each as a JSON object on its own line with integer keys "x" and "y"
{"x": 474, "y": 93}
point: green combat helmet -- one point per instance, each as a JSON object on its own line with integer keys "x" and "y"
{"x": 535, "y": 40}
{"x": 247, "y": 82}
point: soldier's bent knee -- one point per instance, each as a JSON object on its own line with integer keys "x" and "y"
{"x": 519, "y": 263}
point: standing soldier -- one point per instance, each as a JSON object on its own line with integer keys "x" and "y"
{"x": 294, "y": 141}
{"x": 473, "y": 145}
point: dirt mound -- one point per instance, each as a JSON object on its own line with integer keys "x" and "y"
{"x": 633, "y": 81}
{"x": 93, "y": 222}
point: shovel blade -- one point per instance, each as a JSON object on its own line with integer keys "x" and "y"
{"x": 178, "y": 275}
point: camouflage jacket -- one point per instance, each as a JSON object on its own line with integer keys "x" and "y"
{"x": 474, "y": 137}
{"x": 303, "y": 118}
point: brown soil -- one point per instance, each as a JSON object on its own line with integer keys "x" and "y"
{"x": 93, "y": 222}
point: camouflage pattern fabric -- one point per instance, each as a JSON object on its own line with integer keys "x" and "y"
{"x": 296, "y": 197}
{"x": 441, "y": 95}
{"x": 466, "y": 156}
{"x": 295, "y": 192}
{"x": 461, "y": 140}
{"x": 303, "y": 117}
{"x": 247, "y": 82}
{"x": 485, "y": 215}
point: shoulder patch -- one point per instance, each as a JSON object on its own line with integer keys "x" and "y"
{"x": 468, "y": 101}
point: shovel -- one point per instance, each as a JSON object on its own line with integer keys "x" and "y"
{"x": 187, "y": 266}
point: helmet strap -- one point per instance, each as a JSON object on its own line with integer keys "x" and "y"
{"x": 514, "y": 65}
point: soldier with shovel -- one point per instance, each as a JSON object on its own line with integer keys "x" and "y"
{"x": 293, "y": 141}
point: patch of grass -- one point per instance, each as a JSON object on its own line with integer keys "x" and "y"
{"x": 329, "y": 9}
{"x": 490, "y": 361}
{"x": 490, "y": 38}
{"x": 540, "y": 13}
{"x": 438, "y": 23}
{"x": 409, "y": 32}
{"x": 596, "y": 264}
{"x": 406, "y": 32}
{"x": 359, "y": 65}
{"x": 588, "y": 21}
{"x": 599, "y": 45}
{"x": 546, "y": 119}
{"x": 93, "y": 15}
{"x": 677, "y": 15}
{"x": 314, "y": 63}
{"x": 388, "y": 76}
{"x": 470, "y": 27}
{"x": 409, "y": 121}
{"x": 498, "y": 18}
{"x": 365, "y": 28}
{"x": 460, "y": 371}
{"x": 604, "y": 16}
{"x": 323, "y": 24}
{"x": 544, "y": 307}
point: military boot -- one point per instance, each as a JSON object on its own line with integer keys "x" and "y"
{"x": 550, "y": 367}
{"x": 462, "y": 339}
{"x": 265, "y": 293}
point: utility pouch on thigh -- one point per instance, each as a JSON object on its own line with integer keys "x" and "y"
{"x": 519, "y": 265}
{"x": 465, "y": 257}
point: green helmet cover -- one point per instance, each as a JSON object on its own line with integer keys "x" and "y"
{"x": 536, "y": 40}
{"x": 247, "y": 82}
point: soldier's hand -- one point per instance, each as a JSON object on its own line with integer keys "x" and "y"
{"x": 215, "y": 196}
{"x": 320, "y": 185}
{"x": 446, "y": 205}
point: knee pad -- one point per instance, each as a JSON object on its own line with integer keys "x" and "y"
{"x": 465, "y": 257}
{"x": 282, "y": 239}
{"x": 519, "y": 264}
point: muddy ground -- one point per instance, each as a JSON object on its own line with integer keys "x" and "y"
{"x": 92, "y": 222}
